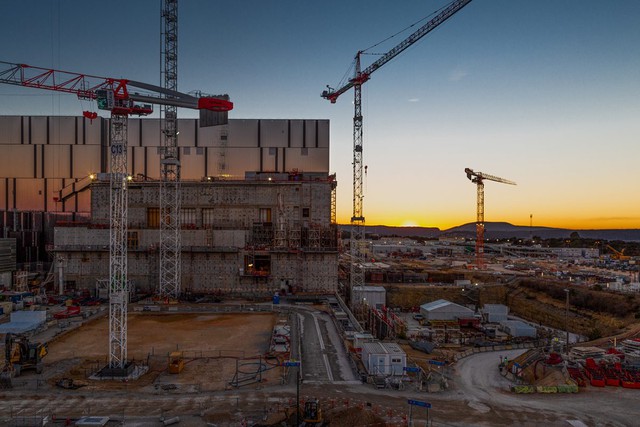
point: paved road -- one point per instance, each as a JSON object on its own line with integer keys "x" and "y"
{"x": 324, "y": 359}
{"x": 479, "y": 382}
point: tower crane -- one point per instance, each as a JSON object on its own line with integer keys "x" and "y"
{"x": 478, "y": 178}
{"x": 170, "y": 194}
{"x": 360, "y": 77}
{"x": 113, "y": 95}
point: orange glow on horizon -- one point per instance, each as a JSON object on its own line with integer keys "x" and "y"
{"x": 450, "y": 222}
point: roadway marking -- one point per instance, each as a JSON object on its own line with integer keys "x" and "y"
{"x": 322, "y": 347}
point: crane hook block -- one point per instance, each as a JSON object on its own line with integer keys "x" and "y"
{"x": 90, "y": 115}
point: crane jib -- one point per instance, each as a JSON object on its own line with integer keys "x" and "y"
{"x": 446, "y": 13}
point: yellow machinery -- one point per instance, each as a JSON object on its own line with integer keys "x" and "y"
{"x": 312, "y": 412}
{"x": 21, "y": 354}
{"x": 619, "y": 255}
{"x": 176, "y": 362}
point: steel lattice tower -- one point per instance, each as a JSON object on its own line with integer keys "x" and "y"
{"x": 118, "y": 289}
{"x": 357, "y": 220}
{"x": 170, "y": 195}
{"x": 478, "y": 178}
{"x": 480, "y": 226}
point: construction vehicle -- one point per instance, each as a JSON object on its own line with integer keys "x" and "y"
{"x": 312, "y": 413}
{"x": 21, "y": 354}
{"x": 619, "y": 255}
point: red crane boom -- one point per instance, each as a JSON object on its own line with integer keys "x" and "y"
{"x": 110, "y": 93}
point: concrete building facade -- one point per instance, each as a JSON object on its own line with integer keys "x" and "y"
{"x": 258, "y": 202}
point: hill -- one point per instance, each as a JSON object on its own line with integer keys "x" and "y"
{"x": 500, "y": 230}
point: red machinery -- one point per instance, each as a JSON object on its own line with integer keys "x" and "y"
{"x": 111, "y": 94}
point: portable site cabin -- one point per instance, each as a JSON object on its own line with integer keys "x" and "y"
{"x": 383, "y": 358}
{"x": 444, "y": 310}
{"x": 374, "y": 296}
{"x": 517, "y": 328}
{"x": 495, "y": 313}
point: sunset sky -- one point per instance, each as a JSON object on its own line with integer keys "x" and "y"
{"x": 542, "y": 92}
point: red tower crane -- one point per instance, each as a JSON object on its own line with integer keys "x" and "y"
{"x": 478, "y": 178}
{"x": 111, "y": 94}
{"x": 356, "y": 82}
{"x": 115, "y": 96}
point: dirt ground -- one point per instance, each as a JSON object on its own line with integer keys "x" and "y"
{"x": 215, "y": 347}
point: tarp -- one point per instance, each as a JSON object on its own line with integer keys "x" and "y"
{"x": 23, "y": 321}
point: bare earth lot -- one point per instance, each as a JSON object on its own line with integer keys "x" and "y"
{"x": 212, "y": 344}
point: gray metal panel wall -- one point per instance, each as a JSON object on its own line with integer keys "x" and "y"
{"x": 7, "y": 255}
{"x": 55, "y": 151}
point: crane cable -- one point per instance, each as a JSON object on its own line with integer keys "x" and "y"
{"x": 348, "y": 74}
{"x": 402, "y": 31}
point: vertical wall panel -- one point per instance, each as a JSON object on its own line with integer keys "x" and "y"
{"x": 243, "y": 133}
{"x": 38, "y": 130}
{"x": 296, "y": 133}
{"x": 16, "y": 161}
{"x": 192, "y": 163}
{"x": 11, "y": 130}
{"x": 239, "y": 160}
{"x": 62, "y": 130}
{"x": 316, "y": 160}
{"x": 93, "y": 135}
{"x": 86, "y": 160}
{"x": 57, "y": 162}
{"x": 53, "y": 186}
{"x": 84, "y": 201}
{"x": 273, "y": 133}
{"x": 137, "y": 158}
{"x": 133, "y": 133}
{"x": 323, "y": 133}
{"x": 30, "y": 194}
{"x": 153, "y": 163}
{"x": 3, "y": 194}
{"x": 310, "y": 133}
{"x": 150, "y": 133}
{"x": 187, "y": 132}
{"x": 269, "y": 159}
{"x": 210, "y": 136}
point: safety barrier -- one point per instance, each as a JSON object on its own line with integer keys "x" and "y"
{"x": 527, "y": 389}
{"x": 503, "y": 347}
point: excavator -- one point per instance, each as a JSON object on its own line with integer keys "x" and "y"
{"x": 21, "y": 354}
{"x": 619, "y": 255}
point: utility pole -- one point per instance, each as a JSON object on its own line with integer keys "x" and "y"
{"x": 566, "y": 317}
{"x": 298, "y": 396}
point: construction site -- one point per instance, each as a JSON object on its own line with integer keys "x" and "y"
{"x": 161, "y": 271}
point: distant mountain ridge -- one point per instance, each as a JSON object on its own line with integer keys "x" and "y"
{"x": 500, "y": 230}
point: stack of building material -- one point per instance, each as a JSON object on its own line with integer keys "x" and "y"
{"x": 631, "y": 350}
{"x": 583, "y": 353}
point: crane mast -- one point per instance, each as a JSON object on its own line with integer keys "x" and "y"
{"x": 360, "y": 77}
{"x": 478, "y": 178}
{"x": 113, "y": 95}
{"x": 170, "y": 194}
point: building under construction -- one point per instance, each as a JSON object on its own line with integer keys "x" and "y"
{"x": 258, "y": 202}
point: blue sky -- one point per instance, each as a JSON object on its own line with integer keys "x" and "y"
{"x": 545, "y": 93}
